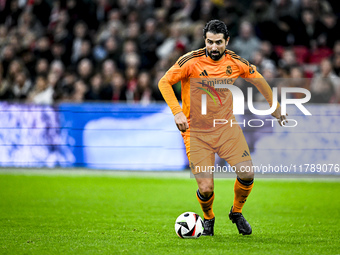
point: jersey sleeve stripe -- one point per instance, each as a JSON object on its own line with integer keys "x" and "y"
{"x": 233, "y": 55}
{"x": 190, "y": 56}
{"x": 184, "y": 59}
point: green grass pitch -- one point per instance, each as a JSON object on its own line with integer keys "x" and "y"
{"x": 75, "y": 214}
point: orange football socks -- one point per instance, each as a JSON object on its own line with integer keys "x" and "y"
{"x": 206, "y": 205}
{"x": 242, "y": 190}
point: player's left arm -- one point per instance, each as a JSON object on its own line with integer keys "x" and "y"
{"x": 253, "y": 76}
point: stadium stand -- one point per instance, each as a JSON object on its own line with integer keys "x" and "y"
{"x": 107, "y": 50}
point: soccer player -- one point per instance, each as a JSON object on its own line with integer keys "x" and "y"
{"x": 202, "y": 142}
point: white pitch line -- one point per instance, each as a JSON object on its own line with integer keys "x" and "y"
{"x": 92, "y": 172}
{"x": 161, "y": 174}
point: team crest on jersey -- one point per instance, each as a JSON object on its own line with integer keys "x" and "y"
{"x": 251, "y": 69}
{"x": 229, "y": 70}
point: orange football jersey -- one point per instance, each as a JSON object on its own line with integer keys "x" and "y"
{"x": 197, "y": 70}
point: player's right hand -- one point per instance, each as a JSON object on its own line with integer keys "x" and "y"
{"x": 280, "y": 118}
{"x": 181, "y": 122}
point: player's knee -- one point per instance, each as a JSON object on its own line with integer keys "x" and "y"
{"x": 247, "y": 176}
{"x": 206, "y": 189}
{"x": 245, "y": 170}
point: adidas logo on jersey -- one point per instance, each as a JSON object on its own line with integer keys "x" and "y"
{"x": 245, "y": 154}
{"x": 204, "y": 73}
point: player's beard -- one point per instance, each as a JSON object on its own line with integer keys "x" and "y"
{"x": 216, "y": 56}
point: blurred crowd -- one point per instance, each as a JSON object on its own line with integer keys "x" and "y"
{"x": 55, "y": 51}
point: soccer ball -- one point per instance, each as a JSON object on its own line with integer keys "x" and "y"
{"x": 189, "y": 225}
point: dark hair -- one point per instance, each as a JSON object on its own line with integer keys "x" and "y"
{"x": 216, "y": 27}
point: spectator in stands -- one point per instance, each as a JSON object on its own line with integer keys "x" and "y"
{"x": 318, "y": 7}
{"x": 43, "y": 90}
{"x": 65, "y": 88}
{"x": 259, "y": 12}
{"x": 41, "y": 68}
{"x": 330, "y": 33}
{"x": 148, "y": 43}
{"x": 144, "y": 93}
{"x": 206, "y": 11}
{"x": 148, "y": 35}
{"x": 14, "y": 40}
{"x": 118, "y": 88}
{"x": 8, "y": 54}
{"x": 276, "y": 21}
{"x": 28, "y": 23}
{"x": 161, "y": 21}
{"x": 322, "y": 90}
{"x": 288, "y": 58}
{"x": 3, "y": 35}
{"x": 283, "y": 8}
{"x": 113, "y": 27}
{"x": 58, "y": 51}
{"x": 21, "y": 86}
{"x": 197, "y": 40}
{"x": 12, "y": 13}
{"x": 75, "y": 12}
{"x": 268, "y": 52}
{"x": 326, "y": 70}
{"x": 336, "y": 65}
{"x": 85, "y": 71}
{"x": 129, "y": 51}
{"x": 42, "y": 49}
{"x": 42, "y": 10}
{"x": 144, "y": 9}
{"x": 100, "y": 12}
{"x": 132, "y": 31}
{"x": 95, "y": 89}
{"x": 57, "y": 68}
{"x": 80, "y": 89}
{"x": 2, "y": 82}
{"x": 29, "y": 61}
{"x": 62, "y": 36}
{"x": 55, "y": 15}
{"x": 326, "y": 76}
{"x": 298, "y": 80}
{"x": 336, "y": 58}
{"x": 185, "y": 11}
{"x": 80, "y": 35}
{"x": 131, "y": 75}
{"x": 3, "y": 11}
{"x": 261, "y": 62}
{"x": 246, "y": 43}
{"x": 27, "y": 37}
{"x": 108, "y": 70}
{"x": 296, "y": 72}
{"x": 16, "y": 66}
{"x": 111, "y": 49}
{"x": 159, "y": 73}
{"x": 308, "y": 30}
{"x": 85, "y": 52}
{"x": 266, "y": 26}
{"x": 176, "y": 40}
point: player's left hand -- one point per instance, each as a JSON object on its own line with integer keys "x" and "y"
{"x": 280, "y": 118}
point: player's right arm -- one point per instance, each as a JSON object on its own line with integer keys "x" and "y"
{"x": 172, "y": 76}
